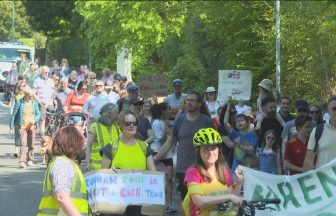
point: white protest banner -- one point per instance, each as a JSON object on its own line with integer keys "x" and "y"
{"x": 153, "y": 85}
{"x": 110, "y": 192}
{"x": 234, "y": 83}
{"x": 310, "y": 193}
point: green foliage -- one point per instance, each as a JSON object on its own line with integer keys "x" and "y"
{"x": 139, "y": 26}
{"x": 53, "y": 18}
{"x": 192, "y": 40}
{"x": 23, "y": 29}
{"x": 73, "y": 49}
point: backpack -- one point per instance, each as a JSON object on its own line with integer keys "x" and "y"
{"x": 115, "y": 146}
{"x": 318, "y": 134}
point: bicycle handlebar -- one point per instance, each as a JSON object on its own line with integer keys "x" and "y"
{"x": 274, "y": 201}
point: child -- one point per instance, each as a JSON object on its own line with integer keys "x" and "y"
{"x": 269, "y": 155}
{"x": 296, "y": 148}
{"x": 243, "y": 141}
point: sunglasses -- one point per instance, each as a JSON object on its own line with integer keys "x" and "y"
{"x": 99, "y": 85}
{"x": 129, "y": 123}
{"x": 92, "y": 78}
{"x": 302, "y": 110}
{"x": 314, "y": 112}
{"x": 270, "y": 138}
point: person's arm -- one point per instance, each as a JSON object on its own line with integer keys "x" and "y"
{"x": 227, "y": 125}
{"x": 106, "y": 162}
{"x": 150, "y": 163}
{"x": 280, "y": 119}
{"x": 288, "y": 165}
{"x": 15, "y": 111}
{"x": 260, "y": 118}
{"x": 67, "y": 103}
{"x": 90, "y": 139}
{"x": 228, "y": 142}
{"x": 249, "y": 148}
{"x": 309, "y": 160}
{"x": 278, "y": 163}
{"x": 86, "y": 108}
{"x": 203, "y": 201}
{"x": 237, "y": 187}
{"x": 37, "y": 116}
{"x": 150, "y": 136}
{"x": 2, "y": 105}
{"x": 171, "y": 141}
{"x": 64, "y": 200}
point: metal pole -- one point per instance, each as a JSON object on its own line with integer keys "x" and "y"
{"x": 90, "y": 51}
{"x": 277, "y": 58}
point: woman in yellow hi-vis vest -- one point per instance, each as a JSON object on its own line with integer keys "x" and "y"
{"x": 101, "y": 133}
{"x": 127, "y": 152}
{"x": 64, "y": 189}
{"x": 209, "y": 181}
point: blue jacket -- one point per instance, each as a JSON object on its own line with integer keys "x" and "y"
{"x": 19, "y": 110}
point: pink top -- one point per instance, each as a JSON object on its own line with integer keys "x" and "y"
{"x": 192, "y": 175}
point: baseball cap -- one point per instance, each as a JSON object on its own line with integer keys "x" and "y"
{"x": 177, "y": 82}
{"x": 301, "y": 104}
{"x": 132, "y": 89}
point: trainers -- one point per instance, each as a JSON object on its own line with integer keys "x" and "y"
{"x": 30, "y": 163}
{"x": 16, "y": 155}
{"x": 171, "y": 209}
{"x": 22, "y": 165}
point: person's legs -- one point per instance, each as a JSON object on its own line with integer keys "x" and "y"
{"x": 183, "y": 188}
{"x": 43, "y": 111}
{"x": 23, "y": 140}
{"x": 31, "y": 142}
{"x": 17, "y": 140}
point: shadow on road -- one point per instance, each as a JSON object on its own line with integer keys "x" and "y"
{"x": 20, "y": 192}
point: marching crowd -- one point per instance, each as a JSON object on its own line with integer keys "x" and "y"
{"x": 211, "y": 138}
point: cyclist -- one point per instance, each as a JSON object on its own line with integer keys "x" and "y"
{"x": 209, "y": 181}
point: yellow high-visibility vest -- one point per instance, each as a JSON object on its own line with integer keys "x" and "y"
{"x": 49, "y": 205}
{"x": 103, "y": 138}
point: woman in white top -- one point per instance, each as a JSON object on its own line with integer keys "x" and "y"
{"x": 160, "y": 134}
{"x": 211, "y": 101}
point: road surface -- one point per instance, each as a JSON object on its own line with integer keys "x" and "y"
{"x": 21, "y": 189}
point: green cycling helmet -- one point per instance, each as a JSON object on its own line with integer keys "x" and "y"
{"x": 207, "y": 136}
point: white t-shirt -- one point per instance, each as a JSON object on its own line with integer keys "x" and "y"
{"x": 326, "y": 145}
{"x": 212, "y": 107}
{"x": 158, "y": 128}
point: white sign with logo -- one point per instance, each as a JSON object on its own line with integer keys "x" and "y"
{"x": 234, "y": 83}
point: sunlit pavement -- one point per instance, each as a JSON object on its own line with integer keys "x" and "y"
{"x": 21, "y": 189}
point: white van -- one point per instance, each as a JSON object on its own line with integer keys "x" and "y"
{"x": 10, "y": 51}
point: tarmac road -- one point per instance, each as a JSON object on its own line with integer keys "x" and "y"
{"x": 21, "y": 189}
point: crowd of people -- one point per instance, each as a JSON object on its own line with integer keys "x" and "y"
{"x": 211, "y": 138}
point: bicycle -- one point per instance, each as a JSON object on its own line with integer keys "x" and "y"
{"x": 249, "y": 207}
{"x": 53, "y": 121}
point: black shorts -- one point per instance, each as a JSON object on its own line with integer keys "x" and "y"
{"x": 167, "y": 162}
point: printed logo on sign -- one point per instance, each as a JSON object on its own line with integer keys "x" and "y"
{"x": 234, "y": 75}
